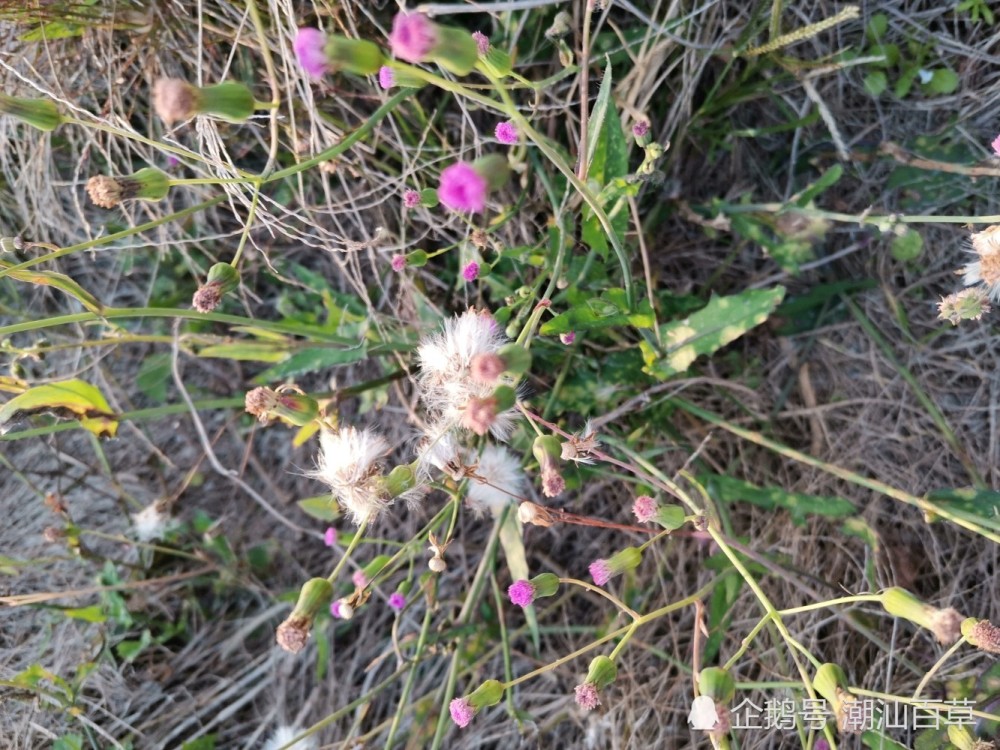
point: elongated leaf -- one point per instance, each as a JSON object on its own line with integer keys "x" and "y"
{"x": 800, "y": 505}
{"x": 253, "y": 351}
{"x": 59, "y": 281}
{"x": 310, "y": 360}
{"x": 979, "y": 506}
{"x": 517, "y": 564}
{"x": 70, "y": 399}
{"x": 720, "y": 322}
{"x": 598, "y": 116}
{"x": 610, "y": 309}
{"x": 827, "y": 179}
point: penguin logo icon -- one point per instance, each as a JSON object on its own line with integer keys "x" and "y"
{"x": 703, "y": 715}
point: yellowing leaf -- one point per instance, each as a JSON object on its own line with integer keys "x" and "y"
{"x": 70, "y": 399}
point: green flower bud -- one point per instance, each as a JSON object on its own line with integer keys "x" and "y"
{"x": 488, "y": 694}
{"x": 494, "y": 168}
{"x": 225, "y": 275}
{"x": 39, "y": 113}
{"x": 147, "y": 185}
{"x": 504, "y": 397}
{"x": 670, "y": 517}
{"x": 429, "y": 198}
{"x": 353, "y": 55}
{"x": 545, "y": 584}
{"x": 401, "y": 479}
{"x": 944, "y": 623}
{"x": 293, "y": 633}
{"x": 175, "y": 100}
{"x": 416, "y": 258}
{"x": 291, "y": 407}
{"x": 222, "y": 279}
{"x": 496, "y": 63}
{"x": 546, "y": 448}
{"x": 456, "y": 51}
{"x": 602, "y": 672}
{"x": 828, "y": 680}
{"x": 717, "y": 684}
{"x": 831, "y": 683}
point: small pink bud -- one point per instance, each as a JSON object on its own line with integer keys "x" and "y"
{"x": 330, "y": 537}
{"x": 645, "y": 508}
{"x": 411, "y": 199}
{"x": 308, "y": 47}
{"x": 521, "y": 593}
{"x": 385, "y": 77}
{"x": 506, "y": 133}
{"x": 471, "y": 272}
{"x": 461, "y": 712}
{"x": 640, "y": 129}
{"x": 486, "y": 368}
{"x": 482, "y": 42}
{"x": 397, "y": 601}
{"x": 398, "y": 263}
{"x": 335, "y": 610}
{"x": 479, "y": 415}
{"x": 996, "y": 145}
{"x": 567, "y": 338}
{"x": 587, "y": 696}
{"x": 359, "y": 579}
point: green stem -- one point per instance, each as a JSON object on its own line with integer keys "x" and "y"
{"x": 607, "y": 595}
{"x": 355, "y": 540}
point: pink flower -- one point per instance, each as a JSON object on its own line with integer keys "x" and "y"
{"x": 506, "y": 133}
{"x": 398, "y": 263}
{"x": 308, "y": 46}
{"x": 996, "y": 145}
{"x": 640, "y": 129}
{"x": 397, "y": 601}
{"x": 359, "y": 579}
{"x": 601, "y": 572}
{"x": 821, "y": 744}
{"x": 335, "y": 610}
{"x": 482, "y": 42}
{"x": 411, "y": 199}
{"x": 462, "y": 188}
{"x": 471, "y": 272}
{"x": 587, "y": 697}
{"x": 385, "y": 77}
{"x": 645, "y": 508}
{"x": 521, "y": 593}
{"x": 461, "y": 712}
{"x": 413, "y": 37}
{"x": 567, "y": 338}
{"x": 330, "y": 537}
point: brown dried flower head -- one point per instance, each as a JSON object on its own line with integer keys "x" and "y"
{"x": 293, "y": 633}
{"x": 104, "y": 191}
{"x": 174, "y": 100}
{"x": 968, "y": 304}
{"x": 208, "y": 297}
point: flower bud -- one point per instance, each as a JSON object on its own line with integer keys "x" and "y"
{"x": 289, "y": 406}
{"x": 400, "y": 480}
{"x": 496, "y": 62}
{"x": 969, "y": 304}
{"x": 222, "y": 279}
{"x": 437, "y": 564}
{"x": 548, "y": 451}
{"x": 353, "y": 56}
{"x": 11, "y": 244}
{"x": 464, "y": 709}
{"x": 175, "y": 100}
{"x": 293, "y": 633}
{"x": 946, "y": 624}
{"x": 982, "y": 634}
{"x": 523, "y": 593}
{"x": 717, "y": 684}
{"x": 147, "y": 184}
{"x": 39, "y": 113}
{"x": 416, "y": 258}
{"x": 516, "y": 359}
{"x": 831, "y": 683}
{"x": 456, "y": 51}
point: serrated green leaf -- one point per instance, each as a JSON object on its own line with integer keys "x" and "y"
{"x": 599, "y": 312}
{"x": 69, "y": 399}
{"x": 310, "y": 360}
{"x": 731, "y": 490}
{"x": 720, "y": 322}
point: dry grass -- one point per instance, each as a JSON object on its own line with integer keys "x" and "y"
{"x": 830, "y": 390}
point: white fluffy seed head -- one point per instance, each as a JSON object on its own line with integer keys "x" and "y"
{"x": 151, "y": 522}
{"x": 446, "y": 370}
{"x": 504, "y": 481}
{"x": 349, "y": 463}
{"x": 440, "y": 450}
{"x": 283, "y": 735}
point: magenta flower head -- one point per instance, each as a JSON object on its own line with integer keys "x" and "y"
{"x": 463, "y": 709}
{"x": 640, "y": 129}
{"x": 482, "y": 42}
{"x": 471, "y": 272}
{"x": 397, "y": 601}
{"x": 309, "y": 51}
{"x": 567, "y": 338}
{"x": 521, "y": 593}
{"x": 587, "y": 696}
{"x": 411, "y": 199}
{"x": 359, "y": 579}
{"x": 462, "y": 188}
{"x": 330, "y": 537}
{"x": 602, "y": 672}
{"x": 603, "y": 571}
{"x": 506, "y": 133}
{"x": 996, "y": 145}
{"x": 413, "y": 37}
{"x": 385, "y": 77}
{"x": 398, "y": 263}
{"x": 645, "y": 508}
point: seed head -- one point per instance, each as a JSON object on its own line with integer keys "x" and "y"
{"x": 174, "y": 100}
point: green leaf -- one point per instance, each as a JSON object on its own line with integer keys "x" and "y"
{"x": 251, "y": 351}
{"x": 878, "y": 24}
{"x": 53, "y": 30}
{"x": 730, "y": 490}
{"x": 600, "y": 312}
{"x": 720, "y": 322}
{"x": 68, "y": 742}
{"x": 982, "y": 507}
{"x": 59, "y": 281}
{"x": 94, "y": 613}
{"x": 944, "y": 81}
{"x": 69, "y": 399}
{"x": 201, "y": 743}
{"x": 129, "y": 650}
{"x": 826, "y": 180}
{"x": 876, "y": 82}
{"x": 310, "y": 360}
{"x": 907, "y": 246}
{"x": 598, "y": 116}
{"x": 153, "y": 376}
{"x": 322, "y": 508}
